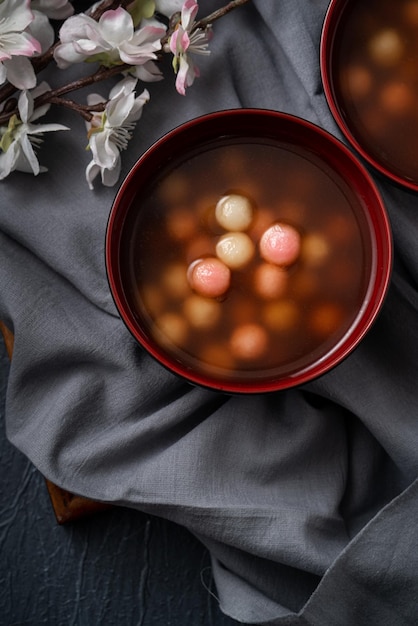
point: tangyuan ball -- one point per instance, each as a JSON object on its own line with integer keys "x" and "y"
{"x": 234, "y": 212}
{"x": 280, "y": 244}
{"x": 235, "y": 249}
{"x": 209, "y": 277}
{"x": 248, "y": 341}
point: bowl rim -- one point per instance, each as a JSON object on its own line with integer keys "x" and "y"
{"x": 333, "y": 16}
{"x": 365, "y": 318}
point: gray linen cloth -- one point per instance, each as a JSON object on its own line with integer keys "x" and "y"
{"x": 307, "y": 499}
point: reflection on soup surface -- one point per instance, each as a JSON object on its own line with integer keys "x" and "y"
{"x": 247, "y": 260}
{"x": 376, "y": 67}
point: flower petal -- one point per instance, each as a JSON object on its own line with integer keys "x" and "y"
{"x": 92, "y": 171}
{"x": 119, "y": 109}
{"x": 30, "y": 156}
{"x": 188, "y": 13}
{"x": 124, "y": 86}
{"x": 15, "y": 15}
{"x": 54, "y": 9}
{"x": 138, "y": 106}
{"x": 116, "y": 26}
{"x": 144, "y": 43}
{"x": 20, "y": 72}
{"x": 66, "y": 55}
{"x": 79, "y": 27}
{"x": 25, "y": 106}
{"x": 39, "y": 129}
{"x": 110, "y": 176}
{"x": 104, "y": 151}
{"x": 3, "y": 73}
{"x": 8, "y": 160}
{"x": 186, "y": 74}
{"x": 18, "y": 44}
{"x": 95, "y": 98}
{"x": 148, "y": 73}
{"x": 168, "y": 7}
{"x": 41, "y": 88}
{"x": 42, "y": 31}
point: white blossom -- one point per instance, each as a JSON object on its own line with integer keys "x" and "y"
{"x": 109, "y": 131}
{"x": 16, "y": 44}
{"x": 112, "y": 40}
{"x": 21, "y": 138}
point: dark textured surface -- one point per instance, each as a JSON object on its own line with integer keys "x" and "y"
{"x": 120, "y": 567}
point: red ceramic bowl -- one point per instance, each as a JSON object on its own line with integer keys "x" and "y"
{"x": 369, "y": 67}
{"x": 291, "y": 171}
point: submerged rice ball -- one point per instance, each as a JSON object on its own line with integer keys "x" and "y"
{"x": 202, "y": 313}
{"x": 234, "y": 212}
{"x": 249, "y": 341}
{"x": 280, "y": 244}
{"x": 270, "y": 281}
{"x": 235, "y": 249}
{"x": 386, "y": 48}
{"x": 209, "y": 277}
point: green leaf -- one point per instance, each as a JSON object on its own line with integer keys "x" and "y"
{"x": 7, "y": 139}
{"x": 175, "y": 63}
{"x": 141, "y": 9}
{"x": 103, "y": 58}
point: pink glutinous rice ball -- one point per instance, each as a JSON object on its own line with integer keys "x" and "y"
{"x": 248, "y": 341}
{"x": 280, "y": 244}
{"x": 209, "y": 277}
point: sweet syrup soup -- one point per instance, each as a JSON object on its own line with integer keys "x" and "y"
{"x": 270, "y": 319}
{"x": 376, "y": 53}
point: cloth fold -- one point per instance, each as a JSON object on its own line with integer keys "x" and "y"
{"x": 306, "y": 499}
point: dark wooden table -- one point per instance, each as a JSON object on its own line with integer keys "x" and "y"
{"x": 97, "y": 567}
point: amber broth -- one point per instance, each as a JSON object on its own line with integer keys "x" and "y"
{"x": 171, "y": 223}
{"x": 376, "y": 72}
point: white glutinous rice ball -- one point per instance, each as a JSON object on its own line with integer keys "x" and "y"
{"x": 171, "y": 327}
{"x": 234, "y": 212}
{"x": 386, "y": 47}
{"x": 235, "y": 249}
{"x": 202, "y": 312}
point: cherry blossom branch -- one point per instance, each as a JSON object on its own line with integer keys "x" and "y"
{"x": 103, "y": 73}
{"x": 206, "y": 21}
{"x": 85, "y": 110}
{"x": 41, "y": 62}
{"x": 108, "y": 34}
{"x": 55, "y": 96}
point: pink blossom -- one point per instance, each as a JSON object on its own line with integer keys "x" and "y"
{"x": 112, "y": 40}
{"x": 187, "y": 40}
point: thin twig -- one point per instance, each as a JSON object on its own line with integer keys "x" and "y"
{"x": 85, "y": 110}
{"x": 54, "y": 96}
{"x": 205, "y": 21}
{"x": 102, "y": 73}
